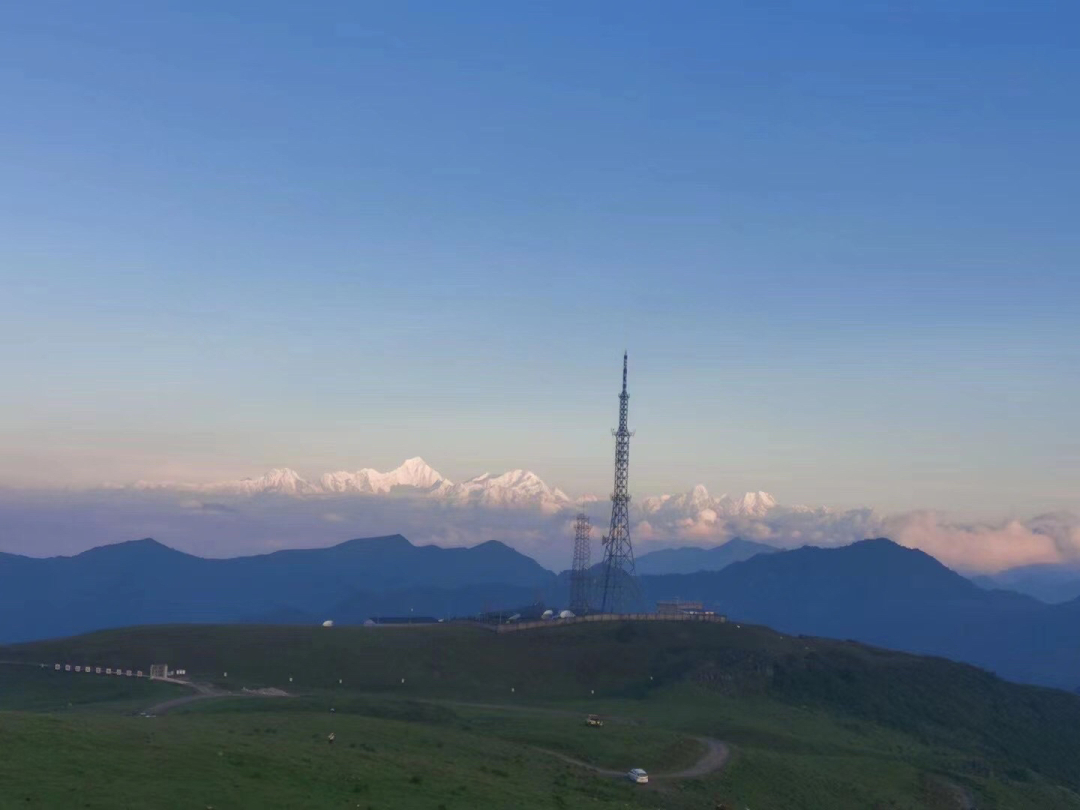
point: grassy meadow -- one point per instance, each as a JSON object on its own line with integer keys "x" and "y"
{"x": 479, "y": 718}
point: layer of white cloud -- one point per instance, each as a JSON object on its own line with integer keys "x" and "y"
{"x": 986, "y": 548}
{"x": 50, "y": 523}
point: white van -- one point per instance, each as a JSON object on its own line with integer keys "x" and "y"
{"x": 637, "y": 775}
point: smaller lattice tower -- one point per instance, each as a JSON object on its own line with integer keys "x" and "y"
{"x": 579, "y": 573}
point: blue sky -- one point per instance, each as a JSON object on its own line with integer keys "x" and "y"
{"x": 840, "y": 245}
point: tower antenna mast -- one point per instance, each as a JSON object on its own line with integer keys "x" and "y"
{"x": 619, "y": 583}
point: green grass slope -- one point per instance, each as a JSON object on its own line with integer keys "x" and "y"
{"x": 30, "y": 688}
{"x": 814, "y": 723}
{"x": 271, "y": 760}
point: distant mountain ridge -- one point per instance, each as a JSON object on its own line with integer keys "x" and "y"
{"x": 881, "y": 593}
{"x": 145, "y": 582}
{"x": 690, "y": 559}
{"x": 1049, "y": 583}
{"x": 873, "y": 591}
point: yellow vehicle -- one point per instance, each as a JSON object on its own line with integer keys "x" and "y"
{"x": 594, "y": 720}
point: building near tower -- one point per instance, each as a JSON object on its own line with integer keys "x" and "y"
{"x": 681, "y": 607}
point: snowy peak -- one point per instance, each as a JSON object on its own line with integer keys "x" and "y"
{"x": 698, "y": 501}
{"x": 342, "y": 481}
{"x": 514, "y": 488}
{"x": 755, "y": 504}
{"x": 517, "y": 488}
{"x": 693, "y": 501}
{"x": 414, "y": 473}
{"x": 698, "y": 498}
{"x": 279, "y": 481}
{"x": 516, "y": 479}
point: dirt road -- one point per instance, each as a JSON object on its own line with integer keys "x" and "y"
{"x": 206, "y": 692}
{"x": 715, "y": 758}
{"x": 202, "y": 692}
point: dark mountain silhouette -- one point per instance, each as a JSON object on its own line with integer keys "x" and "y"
{"x": 880, "y": 593}
{"x": 690, "y": 559}
{"x": 144, "y": 582}
{"x": 873, "y": 591}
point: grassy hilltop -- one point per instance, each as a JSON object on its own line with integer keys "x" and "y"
{"x": 813, "y": 723}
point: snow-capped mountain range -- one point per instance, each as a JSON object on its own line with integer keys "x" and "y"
{"x": 698, "y": 501}
{"x": 517, "y": 488}
{"x": 414, "y": 473}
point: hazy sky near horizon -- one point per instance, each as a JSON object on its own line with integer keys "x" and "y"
{"x": 840, "y": 244}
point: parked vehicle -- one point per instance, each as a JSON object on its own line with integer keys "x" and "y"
{"x": 594, "y": 720}
{"x": 637, "y": 775}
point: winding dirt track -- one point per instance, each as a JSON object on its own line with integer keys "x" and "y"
{"x": 715, "y": 757}
{"x": 202, "y": 692}
{"x": 716, "y": 754}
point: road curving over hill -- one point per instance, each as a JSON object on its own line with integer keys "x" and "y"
{"x": 714, "y": 759}
{"x": 716, "y": 756}
{"x": 206, "y": 692}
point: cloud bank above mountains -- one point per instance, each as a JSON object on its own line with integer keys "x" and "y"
{"x": 284, "y": 510}
{"x": 1052, "y": 538}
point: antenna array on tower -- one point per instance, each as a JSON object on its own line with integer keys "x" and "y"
{"x": 619, "y": 586}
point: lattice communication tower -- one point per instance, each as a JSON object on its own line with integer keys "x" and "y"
{"x": 579, "y": 573}
{"x": 619, "y": 586}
